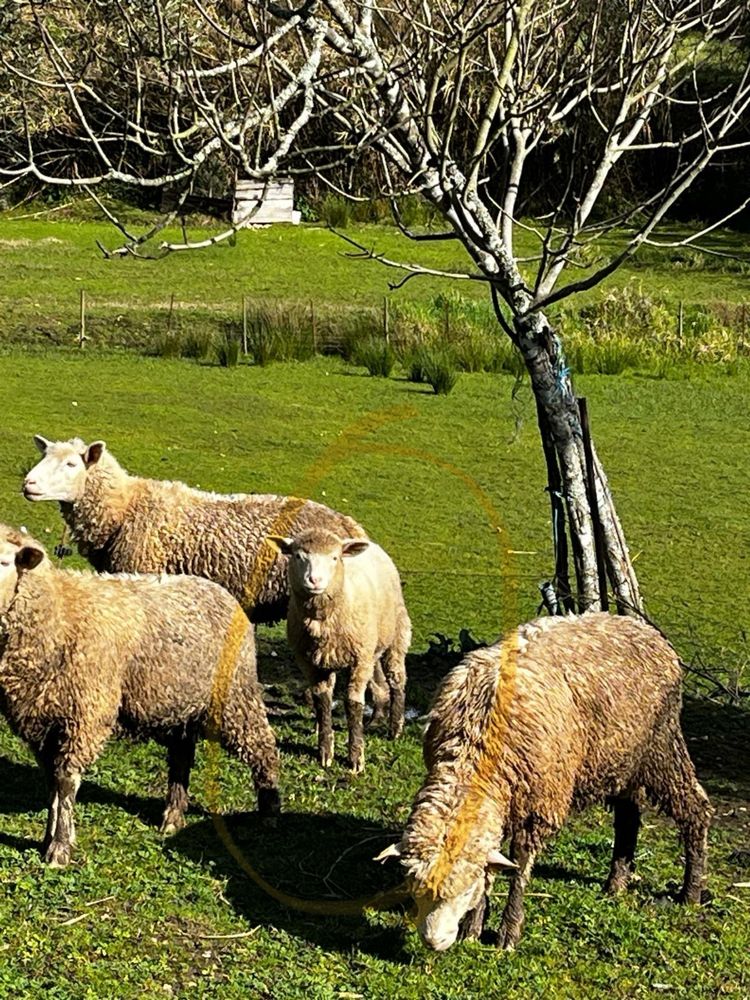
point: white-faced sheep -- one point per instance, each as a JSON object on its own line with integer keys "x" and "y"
{"x": 562, "y": 713}
{"x": 163, "y": 657}
{"x": 346, "y": 611}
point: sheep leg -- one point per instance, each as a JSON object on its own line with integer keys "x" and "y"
{"x": 355, "y": 706}
{"x": 45, "y": 756}
{"x": 394, "y": 666}
{"x": 511, "y": 924}
{"x": 675, "y": 787}
{"x": 248, "y": 735}
{"x": 62, "y": 828}
{"x": 322, "y": 686}
{"x": 472, "y": 925}
{"x": 381, "y": 699}
{"x": 627, "y": 821}
{"x": 181, "y": 757}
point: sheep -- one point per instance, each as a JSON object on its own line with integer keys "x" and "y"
{"x": 127, "y": 524}
{"x": 346, "y": 611}
{"x": 562, "y": 712}
{"x": 82, "y": 656}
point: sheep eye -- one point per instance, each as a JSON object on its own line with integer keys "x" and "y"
{"x": 71, "y": 465}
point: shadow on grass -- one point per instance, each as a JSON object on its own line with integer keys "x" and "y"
{"x": 321, "y": 857}
{"x": 22, "y": 790}
{"x": 718, "y": 737}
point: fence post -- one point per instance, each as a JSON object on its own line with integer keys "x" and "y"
{"x": 82, "y": 338}
{"x": 680, "y": 321}
{"x": 314, "y": 327}
{"x": 171, "y": 312}
{"x": 743, "y": 318}
{"x": 244, "y": 325}
{"x": 386, "y": 328}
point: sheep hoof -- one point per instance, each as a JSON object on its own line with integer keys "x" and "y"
{"x": 172, "y": 822}
{"x": 508, "y": 937}
{"x": 57, "y": 855}
{"x": 269, "y": 804}
{"x": 357, "y": 766}
{"x": 615, "y": 886}
{"x": 326, "y": 758}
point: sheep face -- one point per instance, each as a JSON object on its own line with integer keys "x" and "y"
{"x": 61, "y": 474}
{"x": 316, "y": 561}
{"x": 16, "y": 557}
{"x": 440, "y": 911}
{"x": 438, "y": 920}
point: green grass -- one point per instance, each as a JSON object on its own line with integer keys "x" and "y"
{"x": 407, "y": 464}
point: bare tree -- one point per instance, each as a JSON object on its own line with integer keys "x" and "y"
{"x": 455, "y": 98}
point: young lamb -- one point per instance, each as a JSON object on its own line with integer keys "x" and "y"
{"x": 169, "y": 658}
{"x": 346, "y": 611}
{"x": 561, "y": 713}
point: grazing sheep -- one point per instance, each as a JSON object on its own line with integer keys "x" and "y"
{"x": 346, "y": 611}
{"x": 561, "y": 713}
{"x": 126, "y": 524}
{"x": 162, "y": 657}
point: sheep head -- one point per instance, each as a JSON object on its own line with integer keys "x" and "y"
{"x": 316, "y": 560}
{"x": 439, "y": 912}
{"x": 18, "y": 554}
{"x": 61, "y": 473}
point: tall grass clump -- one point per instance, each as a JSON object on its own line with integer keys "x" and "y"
{"x": 197, "y": 344}
{"x": 336, "y": 211}
{"x": 376, "y": 355}
{"x": 415, "y": 361}
{"x": 168, "y": 345}
{"x": 440, "y": 371}
{"x": 228, "y": 350}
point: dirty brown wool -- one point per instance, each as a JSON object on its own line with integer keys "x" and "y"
{"x": 590, "y": 713}
{"x": 82, "y": 656}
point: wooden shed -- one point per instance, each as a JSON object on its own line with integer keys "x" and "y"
{"x": 276, "y": 206}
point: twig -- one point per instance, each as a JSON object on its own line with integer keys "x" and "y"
{"x": 221, "y": 937}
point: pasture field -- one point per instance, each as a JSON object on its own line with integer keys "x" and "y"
{"x": 453, "y": 488}
{"x": 45, "y": 262}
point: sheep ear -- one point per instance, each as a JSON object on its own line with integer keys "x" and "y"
{"x": 41, "y": 443}
{"x": 354, "y": 546}
{"x": 28, "y": 557}
{"x": 281, "y": 542}
{"x": 94, "y": 452}
{"x": 392, "y": 851}
{"x": 498, "y": 860}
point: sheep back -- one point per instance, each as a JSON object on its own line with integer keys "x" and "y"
{"x": 138, "y": 525}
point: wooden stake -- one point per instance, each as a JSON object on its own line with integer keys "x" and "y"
{"x": 594, "y": 505}
{"x": 680, "y": 319}
{"x": 244, "y": 325}
{"x": 82, "y": 338}
{"x": 559, "y": 534}
{"x": 314, "y": 326}
{"x": 386, "y": 330}
{"x": 171, "y": 312}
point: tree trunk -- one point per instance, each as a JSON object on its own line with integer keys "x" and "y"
{"x": 560, "y": 427}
